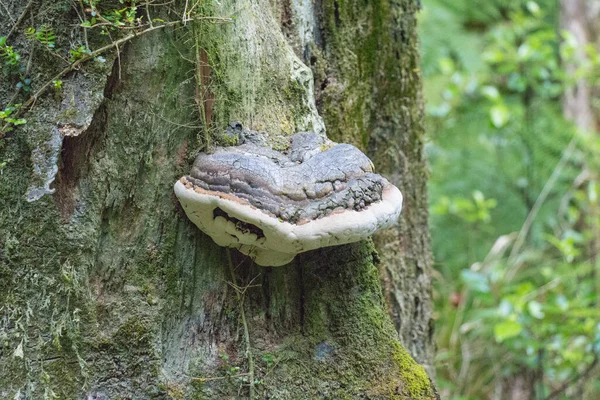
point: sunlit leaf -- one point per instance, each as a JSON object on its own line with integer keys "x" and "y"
{"x": 475, "y": 280}
{"x": 490, "y": 92}
{"x": 533, "y": 7}
{"x": 446, "y": 66}
{"x": 499, "y": 115}
{"x": 535, "y": 309}
{"x": 506, "y": 330}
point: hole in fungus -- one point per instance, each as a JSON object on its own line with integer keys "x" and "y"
{"x": 241, "y": 226}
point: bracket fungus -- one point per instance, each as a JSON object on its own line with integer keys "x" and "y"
{"x": 272, "y": 205}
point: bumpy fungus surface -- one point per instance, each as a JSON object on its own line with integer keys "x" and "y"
{"x": 273, "y": 205}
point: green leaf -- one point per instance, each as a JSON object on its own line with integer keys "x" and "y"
{"x": 535, "y": 309}
{"x": 20, "y": 121}
{"x": 506, "y": 330}
{"x": 475, "y": 280}
{"x": 446, "y": 66}
{"x": 562, "y": 302}
{"x": 499, "y": 115}
{"x": 490, "y": 92}
{"x": 533, "y": 7}
{"x": 30, "y": 33}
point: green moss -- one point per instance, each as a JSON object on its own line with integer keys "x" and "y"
{"x": 68, "y": 114}
{"x": 416, "y": 382}
{"x": 344, "y": 346}
{"x": 134, "y": 332}
{"x": 369, "y": 95}
{"x": 380, "y": 66}
{"x": 225, "y": 140}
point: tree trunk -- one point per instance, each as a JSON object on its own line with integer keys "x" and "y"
{"x": 581, "y": 19}
{"x": 577, "y": 103}
{"x": 108, "y": 291}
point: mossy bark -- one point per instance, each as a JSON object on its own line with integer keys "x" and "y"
{"x": 370, "y": 95}
{"x": 107, "y": 291}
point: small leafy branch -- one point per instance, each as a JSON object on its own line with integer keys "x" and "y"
{"x": 117, "y": 20}
{"x": 114, "y": 19}
{"x": 232, "y": 371}
{"x": 240, "y": 292}
{"x": 9, "y": 118}
{"x": 44, "y": 35}
{"x": 78, "y": 53}
{"x": 7, "y": 53}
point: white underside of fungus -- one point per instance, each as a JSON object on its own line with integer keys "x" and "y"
{"x": 281, "y": 240}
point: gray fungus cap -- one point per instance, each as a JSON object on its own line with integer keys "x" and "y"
{"x": 272, "y": 205}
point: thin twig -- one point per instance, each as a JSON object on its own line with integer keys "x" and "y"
{"x": 148, "y": 13}
{"x": 199, "y": 98}
{"x": 216, "y": 378}
{"x": 16, "y": 24}
{"x": 7, "y": 12}
{"x": 161, "y": 4}
{"x": 272, "y": 368}
{"x": 194, "y": 6}
{"x": 121, "y": 28}
{"x": 184, "y": 16}
{"x": 574, "y": 380}
{"x": 240, "y": 298}
{"x": 189, "y": 126}
{"x": 30, "y": 60}
{"x": 118, "y": 55}
{"x": 538, "y": 205}
{"x": 82, "y": 19}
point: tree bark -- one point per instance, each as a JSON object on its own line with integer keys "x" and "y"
{"x": 365, "y": 60}
{"x": 106, "y": 289}
{"x": 580, "y": 18}
{"x": 577, "y": 103}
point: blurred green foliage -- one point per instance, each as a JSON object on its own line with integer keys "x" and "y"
{"x": 514, "y": 202}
